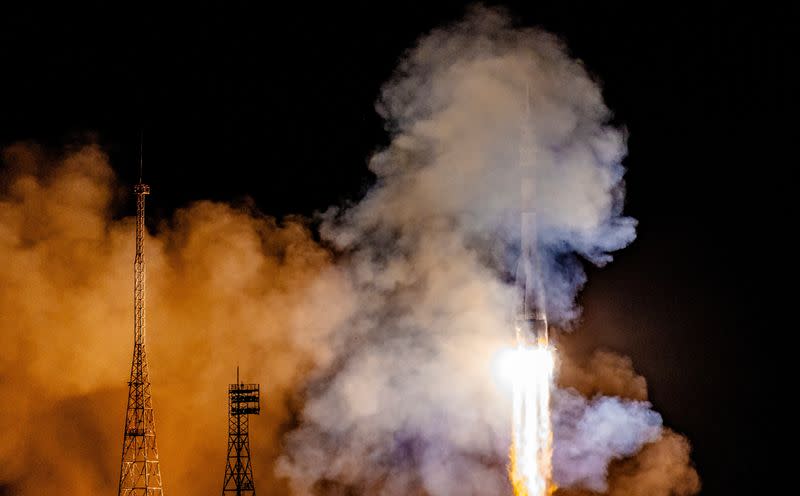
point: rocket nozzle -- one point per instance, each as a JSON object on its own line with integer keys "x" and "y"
{"x": 532, "y": 328}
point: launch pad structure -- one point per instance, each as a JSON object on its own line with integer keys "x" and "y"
{"x": 243, "y": 401}
{"x": 140, "y": 474}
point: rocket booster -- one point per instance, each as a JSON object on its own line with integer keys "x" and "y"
{"x": 531, "y": 318}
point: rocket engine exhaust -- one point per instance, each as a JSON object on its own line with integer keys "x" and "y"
{"x": 532, "y": 436}
{"x": 531, "y": 453}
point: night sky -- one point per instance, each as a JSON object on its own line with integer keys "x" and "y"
{"x": 276, "y": 104}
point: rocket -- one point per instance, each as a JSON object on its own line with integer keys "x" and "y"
{"x": 531, "y": 317}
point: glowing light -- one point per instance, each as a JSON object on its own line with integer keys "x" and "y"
{"x": 505, "y": 366}
{"x": 531, "y": 369}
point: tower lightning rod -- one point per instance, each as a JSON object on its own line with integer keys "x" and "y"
{"x": 141, "y": 153}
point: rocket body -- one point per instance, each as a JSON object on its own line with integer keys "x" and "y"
{"x": 531, "y": 319}
{"x": 532, "y": 434}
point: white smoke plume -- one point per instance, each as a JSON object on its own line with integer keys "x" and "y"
{"x": 457, "y": 109}
{"x": 590, "y": 433}
{"x": 386, "y": 341}
{"x": 406, "y": 405}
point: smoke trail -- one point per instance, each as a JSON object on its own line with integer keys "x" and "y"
{"x": 406, "y": 407}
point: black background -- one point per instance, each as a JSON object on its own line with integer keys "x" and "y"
{"x": 276, "y": 103}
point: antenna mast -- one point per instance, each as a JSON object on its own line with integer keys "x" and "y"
{"x": 141, "y": 154}
{"x": 139, "y": 472}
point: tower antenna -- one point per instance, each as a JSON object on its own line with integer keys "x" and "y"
{"x": 141, "y": 153}
{"x": 139, "y": 473}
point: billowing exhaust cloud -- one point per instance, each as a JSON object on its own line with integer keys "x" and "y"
{"x": 592, "y": 433}
{"x": 457, "y": 110}
{"x": 407, "y": 405}
{"x": 601, "y": 420}
{"x": 223, "y": 286}
{"x": 375, "y": 355}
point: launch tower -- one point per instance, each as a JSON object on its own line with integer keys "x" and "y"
{"x": 139, "y": 473}
{"x": 243, "y": 400}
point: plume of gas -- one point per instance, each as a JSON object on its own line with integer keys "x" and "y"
{"x": 66, "y": 316}
{"x": 531, "y": 467}
{"x": 397, "y": 337}
{"x": 225, "y": 287}
{"x": 407, "y": 406}
{"x": 607, "y": 437}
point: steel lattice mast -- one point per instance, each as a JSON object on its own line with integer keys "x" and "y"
{"x": 139, "y": 473}
{"x": 243, "y": 400}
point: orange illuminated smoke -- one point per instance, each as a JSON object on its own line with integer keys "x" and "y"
{"x": 532, "y": 436}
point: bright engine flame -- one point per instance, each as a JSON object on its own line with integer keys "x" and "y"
{"x": 532, "y": 436}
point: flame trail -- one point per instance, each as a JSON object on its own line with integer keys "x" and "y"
{"x": 532, "y": 436}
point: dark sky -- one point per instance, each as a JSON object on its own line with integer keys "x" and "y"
{"x": 277, "y": 104}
